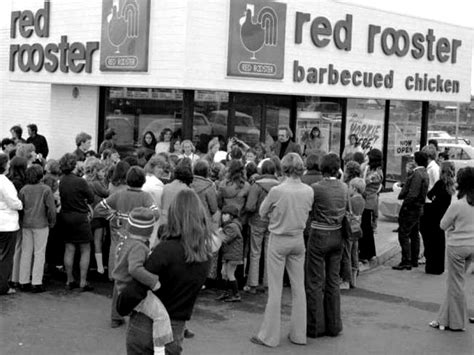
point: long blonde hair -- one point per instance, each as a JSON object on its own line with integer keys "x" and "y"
{"x": 187, "y": 220}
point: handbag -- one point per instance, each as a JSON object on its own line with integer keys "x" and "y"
{"x": 351, "y": 224}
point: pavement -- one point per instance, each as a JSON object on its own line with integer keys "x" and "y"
{"x": 388, "y": 313}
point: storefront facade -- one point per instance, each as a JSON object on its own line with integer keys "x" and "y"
{"x": 239, "y": 68}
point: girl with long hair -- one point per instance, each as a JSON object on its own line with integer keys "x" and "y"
{"x": 373, "y": 181}
{"x": 164, "y": 143}
{"x": 458, "y": 223}
{"x": 234, "y": 189}
{"x": 440, "y": 195}
{"x": 181, "y": 260}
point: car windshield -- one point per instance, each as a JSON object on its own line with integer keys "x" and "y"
{"x": 243, "y": 121}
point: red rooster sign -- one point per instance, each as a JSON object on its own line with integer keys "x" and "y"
{"x": 255, "y": 33}
{"x": 122, "y": 23}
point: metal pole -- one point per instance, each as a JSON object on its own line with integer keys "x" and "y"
{"x": 457, "y": 121}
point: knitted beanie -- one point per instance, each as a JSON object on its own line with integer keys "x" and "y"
{"x": 141, "y": 221}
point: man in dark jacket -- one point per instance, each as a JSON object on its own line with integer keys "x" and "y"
{"x": 413, "y": 195}
{"x": 39, "y": 141}
{"x": 284, "y": 145}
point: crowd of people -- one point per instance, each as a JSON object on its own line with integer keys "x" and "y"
{"x": 165, "y": 222}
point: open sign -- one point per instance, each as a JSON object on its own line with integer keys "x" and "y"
{"x": 405, "y": 147}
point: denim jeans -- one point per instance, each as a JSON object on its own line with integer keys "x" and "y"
{"x": 323, "y": 260}
{"x": 258, "y": 238}
{"x": 33, "y": 244}
{"x": 140, "y": 336}
{"x": 350, "y": 260}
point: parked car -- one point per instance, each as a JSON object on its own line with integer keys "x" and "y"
{"x": 461, "y": 154}
{"x": 157, "y": 123}
{"x": 244, "y": 126}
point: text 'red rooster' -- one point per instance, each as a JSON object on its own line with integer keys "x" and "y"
{"x": 122, "y": 24}
{"x": 262, "y": 32}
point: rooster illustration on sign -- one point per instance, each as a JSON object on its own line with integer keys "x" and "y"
{"x": 122, "y": 24}
{"x": 259, "y": 32}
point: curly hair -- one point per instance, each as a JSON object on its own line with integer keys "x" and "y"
{"x": 447, "y": 176}
{"x": 52, "y": 167}
{"x": 34, "y": 174}
{"x": 465, "y": 180}
{"x": 25, "y": 150}
{"x": 163, "y": 132}
{"x": 67, "y": 163}
{"x": 92, "y": 166}
{"x": 235, "y": 175}
{"x": 352, "y": 170}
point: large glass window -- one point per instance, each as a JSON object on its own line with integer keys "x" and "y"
{"x": 365, "y": 120}
{"x": 451, "y": 125}
{"x": 248, "y": 117}
{"x": 404, "y": 133}
{"x": 318, "y": 125}
{"x": 132, "y": 112}
{"x": 210, "y": 117}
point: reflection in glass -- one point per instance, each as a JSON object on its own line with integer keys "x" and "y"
{"x": 133, "y": 112}
{"x": 365, "y": 120}
{"x": 318, "y": 126}
{"x": 404, "y": 133}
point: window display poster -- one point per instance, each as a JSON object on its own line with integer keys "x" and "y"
{"x": 369, "y": 131}
{"x": 303, "y": 130}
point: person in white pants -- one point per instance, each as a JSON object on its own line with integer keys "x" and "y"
{"x": 39, "y": 216}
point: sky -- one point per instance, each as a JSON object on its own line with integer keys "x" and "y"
{"x": 456, "y": 12}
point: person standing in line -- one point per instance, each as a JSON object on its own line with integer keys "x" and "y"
{"x": 181, "y": 261}
{"x": 183, "y": 178}
{"x": 117, "y": 208}
{"x": 259, "y": 233}
{"x": 10, "y": 204}
{"x": 312, "y": 174}
{"x": 458, "y": 223}
{"x": 17, "y": 175}
{"x": 232, "y": 252}
{"x": 39, "y": 215}
{"x": 83, "y": 144}
{"x": 189, "y": 151}
{"x": 94, "y": 175}
{"x": 39, "y": 141}
{"x": 287, "y": 206}
{"x": 440, "y": 195}
{"x": 427, "y": 228}
{"x": 323, "y": 258}
{"x": 204, "y": 187}
{"x": 373, "y": 183}
{"x": 74, "y": 221}
{"x": 8, "y": 146}
{"x": 413, "y": 194}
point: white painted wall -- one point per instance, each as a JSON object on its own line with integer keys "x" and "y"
{"x": 188, "y": 49}
{"x": 70, "y": 115}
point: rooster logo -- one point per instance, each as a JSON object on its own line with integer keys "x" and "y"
{"x": 254, "y": 35}
{"x": 122, "y": 24}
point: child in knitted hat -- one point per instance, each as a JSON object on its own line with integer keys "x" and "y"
{"x": 232, "y": 251}
{"x": 131, "y": 255}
